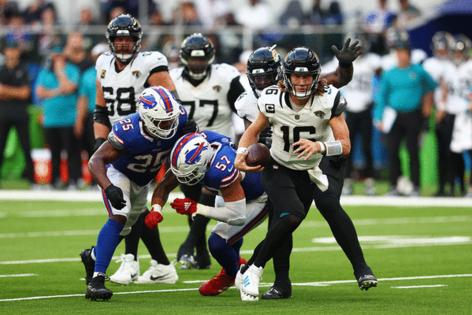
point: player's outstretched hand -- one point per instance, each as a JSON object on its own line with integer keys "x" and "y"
{"x": 154, "y": 217}
{"x": 115, "y": 196}
{"x": 184, "y": 205}
{"x": 348, "y": 53}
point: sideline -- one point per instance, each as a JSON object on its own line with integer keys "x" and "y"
{"x": 24, "y": 195}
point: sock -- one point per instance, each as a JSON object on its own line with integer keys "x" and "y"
{"x": 108, "y": 240}
{"x": 226, "y": 255}
{"x": 152, "y": 240}
{"x": 281, "y": 262}
{"x": 132, "y": 239}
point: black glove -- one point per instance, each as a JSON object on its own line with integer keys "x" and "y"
{"x": 348, "y": 53}
{"x": 98, "y": 143}
{"x": 115, "y": 195}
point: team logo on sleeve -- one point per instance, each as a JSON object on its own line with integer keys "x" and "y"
{"x": 217, "y": 88}
{"x": 136, "y": 73}
{"x": 319, "y": 114}
{"x": 102, "y": 74}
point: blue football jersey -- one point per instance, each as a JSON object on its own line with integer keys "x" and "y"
{"x": 222, "y": 172}
{"x": 142, "y": 155}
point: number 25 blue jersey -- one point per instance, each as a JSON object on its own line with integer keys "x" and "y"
{"x": 141, "y": 155}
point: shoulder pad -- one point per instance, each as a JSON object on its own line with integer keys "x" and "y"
{"x": 152, "y": 59}
{"x": 226, "y": 71}
{"x": 103, "y": 59}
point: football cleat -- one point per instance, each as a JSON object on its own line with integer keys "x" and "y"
{"x": 250, "y": 283}
{"x": 96, "y": 289}
{"x": 367, "y": 281}
{"x": 89, "y": 263}
{"x": 128, "y": 271}
{"x": 159, "y": 273}
{"x": 187, "y": 262}
{"x": 216, "y": 285}
{"x": 275, "y": 294}
{"x": 239, "y": 275}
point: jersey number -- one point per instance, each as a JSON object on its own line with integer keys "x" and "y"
{"x": 124, "y": 98}
{"x": 296, "y": 131}
{"x": 148, "y": 162}
{"x": 202, "y": 103}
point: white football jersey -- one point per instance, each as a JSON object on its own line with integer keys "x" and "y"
{"x": 246, "y": 106}
{"x": 289, "y": 125}
{"x": 207, "y": 102}
{"x": 359, "y": 90}
{"x": 458, "y": 80}
{"x": 437, "y": 68}
{"x": 122, "y": 89}
{"x": 390, "y": 60}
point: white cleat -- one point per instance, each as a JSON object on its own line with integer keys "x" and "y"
{"x": 158, "y": 273}
{"x": 128, "y": 271}
{"x": 249, "y": 287}
{"x": 239, "y": 279}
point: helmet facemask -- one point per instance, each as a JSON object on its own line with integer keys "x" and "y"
{"x": 197, "y": 65}
{"x": 124, "y": 26}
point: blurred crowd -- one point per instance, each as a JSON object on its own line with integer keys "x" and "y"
{"x": 55, "y": 70}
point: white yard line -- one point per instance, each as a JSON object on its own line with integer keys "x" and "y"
{"x": 23, "y": 195}
{"x": 18, "y": 275}
{"x": 319, "y": 283}
{"x": 419, "y": 286}
{"x": 249, "y": 252}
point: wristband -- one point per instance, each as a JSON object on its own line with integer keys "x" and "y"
{"x": 322, "y": 147}
{"x": 333, "y": 148}
{"x": 156, "y": 207}
{"x": 241, "y": 150}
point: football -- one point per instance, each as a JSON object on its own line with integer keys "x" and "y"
{"x": 258, "y": 154}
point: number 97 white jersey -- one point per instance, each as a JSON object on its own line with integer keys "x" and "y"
{"x": 122, "y": 89}
{"x": 207, "y": 103}
{"x": 289, "y": 125}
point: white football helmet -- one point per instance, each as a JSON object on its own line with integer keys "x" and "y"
{"x": 190, "y": 158}
{"x": 159, "y": 112}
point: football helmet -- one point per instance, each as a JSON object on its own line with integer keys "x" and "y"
{"x": 442, "y": 41}
{"x": 159, "y": 112}
{"x": 190, "y": 158}
{"x": 197, "y": 54}
{"x": 263, "y": 67}
{"x": 124, "y": 25}
{"x": 301, "y": 60}
{"x": 396, "y": 38}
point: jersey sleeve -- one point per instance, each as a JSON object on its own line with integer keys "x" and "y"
{"x": 222, "y": 172}
{"x": 124, "y": 132}
{"x": 240, "y": 105}
{"x": 228, "y": 72}
{"x": 116, "y": 141}
{"x": 270, "y": 99}
{"x": 155, "y": 61}
{"x": 339, "y": 105}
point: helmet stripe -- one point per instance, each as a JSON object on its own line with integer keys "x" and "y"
{"x": 178, "y": 146}
{"x": 166, "y": 99}
{"x": 196, "y": 153}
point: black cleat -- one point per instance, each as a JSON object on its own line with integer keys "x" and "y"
{"x": 89, "y": 264}
{"x": 96, "y": 289}
{"x": 367, "y": 281}
{"x": 275, "y": 294}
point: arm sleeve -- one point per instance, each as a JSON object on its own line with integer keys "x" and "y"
{"x": 233, "y": 213}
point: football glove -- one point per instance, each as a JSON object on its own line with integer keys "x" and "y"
{"x": 184, "y": 205}
{"x": 154, "y": 217}
{"x": 347, "y": 54}
{"x": 115, "y": 196}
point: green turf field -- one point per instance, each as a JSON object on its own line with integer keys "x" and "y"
{"x": 423, "y": 257}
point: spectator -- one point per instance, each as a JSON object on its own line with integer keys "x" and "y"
{"x": 35, "y": 10}
{"x": 8, "y": 9}
{"x": 83, "y": 128}
{"x": 48, "y": 38}
{"x": 15, "y": 96}
{"x": 315, "y": 17}
{"x": 404, "y": 103}
{"x": 293, "y": 15}
{"x": 380, "y": 19}
{"x": 85, "y": 26}
{"x": 407, "y": 13}
{"x": 334, "y": 15}
{"x": 187, "y": 14}
{"x": 256, "y": 15}
{"x": 75, "y": 52}
{"x": 56, "y": 88}
{"x": 17, "y": 34}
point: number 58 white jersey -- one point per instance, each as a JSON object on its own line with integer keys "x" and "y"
{"x": 122, "y": 89}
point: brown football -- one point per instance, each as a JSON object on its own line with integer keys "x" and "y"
{"x": 257, "y": 154}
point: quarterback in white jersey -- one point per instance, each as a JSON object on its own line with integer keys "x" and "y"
{"x": 307, "y": 121}
{"x": 207, "y": 91}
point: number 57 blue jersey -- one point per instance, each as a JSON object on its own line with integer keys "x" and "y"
{"x": 222, "y": 172}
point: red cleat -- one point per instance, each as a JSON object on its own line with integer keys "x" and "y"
{"x": 219, "y": 283}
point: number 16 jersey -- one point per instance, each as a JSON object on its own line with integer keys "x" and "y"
{"x": 289, "y": 125}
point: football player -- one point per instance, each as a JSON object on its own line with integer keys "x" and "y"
{"x": 359, "y": 111}
{"x": 123, "y": 166}
{"x": 241, "y": 204}
{"x": 307, "y": 121}
{"x": 208, "y": 91}
{"x": 122, "y": 74}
